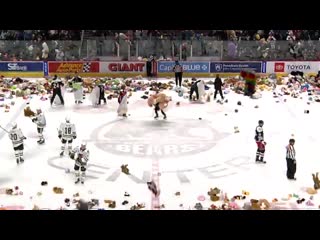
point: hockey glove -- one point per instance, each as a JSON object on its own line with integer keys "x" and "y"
{"x": 59, "y": 136}
{"x": 34, "y": 120}
{"x": 71, "y": 155}
{"x": 74, "y": 137}
{"x": 24, "y": 138}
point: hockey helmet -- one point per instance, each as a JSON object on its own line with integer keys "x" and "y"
{"x": 261, "y": 122}
{"x": 83, "y": 146}
{"x": 68, "y": 119}
{"x": 39, "y": 110}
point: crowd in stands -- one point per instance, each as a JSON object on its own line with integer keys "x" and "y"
{"x": 52, "y": 45}
{"x": 220, "y": 35}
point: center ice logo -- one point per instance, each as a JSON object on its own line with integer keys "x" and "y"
{"x": 156, "y": 138}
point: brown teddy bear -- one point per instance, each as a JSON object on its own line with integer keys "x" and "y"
{"x": 125, "y": 169}
{"x": 213, "y": 194}
{"x": 28, "y": 112}
{"x": 255, "y": 204}
{"x": 9, "y": 191}
{"x": 259, "y": 204}
{"x": 160, "y": 98}
{"x": 264, "y": 204}
{"x": 316, "y": 181}
{"x": 111, "y": 203}
{"x": 139, "y": 206}
{"x": 58, "y": 190}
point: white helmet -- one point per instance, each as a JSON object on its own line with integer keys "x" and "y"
{"x": 39, "y": 110}
{"x": 14, "y": 125}
{"x": 68, "y": 119}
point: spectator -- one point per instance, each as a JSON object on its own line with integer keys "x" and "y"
{"x": 59, "y": 54}
{"x": 45, "y": 51}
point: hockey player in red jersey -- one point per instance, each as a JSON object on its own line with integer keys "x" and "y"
{"x": 259, "y": 137}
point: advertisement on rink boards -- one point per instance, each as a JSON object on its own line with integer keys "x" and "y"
{"x": 123, "y": 67}
{"x": 235, "y": 67}
{"x": 189, "y": 67}
{"x": 21, "y": 66}
{"x": 288, "y": 67}
{"x": 73, "y": 67}
{"x": 21, "y": 69}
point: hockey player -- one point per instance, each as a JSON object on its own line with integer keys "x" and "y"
{"x": 102, "y": 94}
{"x": 17, "y": 137}
{"x": 159, "y": 101}
{"x": 56, "y": 86}
{"x": 67, "y": 132}
{"x": 259, "y": 137}
{"x": 194, "y": 88}
{"x": 40, "y": 120}
{"x": 81, "y": 157}
{"x": 199, "y": 88}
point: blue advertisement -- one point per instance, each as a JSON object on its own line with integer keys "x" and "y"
{"x": 191, "y": 67}
{"x": 45, "y": 69}
{"x": 235, "y": 67}
{"x": 264, "y": 67}
{"x": 21, "y": 66}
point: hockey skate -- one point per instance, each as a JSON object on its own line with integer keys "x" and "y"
{"x": 165, "y": 117}
{"x": 261, "y": 161}
{"x": 41, "y": 141}
{"x": 61, "y": 154}
{"x": 18, "y": 161}
{"x": 77, "y": 181}
{"x": 156, "y": 117}
{"x": 21, "y": 160}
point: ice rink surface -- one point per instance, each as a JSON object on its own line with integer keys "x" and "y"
{"x": 181, "y": 154}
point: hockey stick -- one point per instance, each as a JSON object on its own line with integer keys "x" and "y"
{"x": 4, "y": 129}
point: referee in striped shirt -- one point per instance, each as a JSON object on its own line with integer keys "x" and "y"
{"x": 291, "y": 160}
{"x": 178, "y": 73}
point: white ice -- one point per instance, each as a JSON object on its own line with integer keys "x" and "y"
{"x": 183, "y": 154}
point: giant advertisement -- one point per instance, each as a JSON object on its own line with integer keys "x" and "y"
{"x": 123, "y": 67}
{"x": 235, "y": 67}
{"x": 189, "y": 67}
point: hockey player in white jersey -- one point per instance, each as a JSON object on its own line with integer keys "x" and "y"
{"x": 67, "y": 132}
{"x": 81, "y": 157}
{"x": 40, "y": 120}
{"x": 17, "y": 137}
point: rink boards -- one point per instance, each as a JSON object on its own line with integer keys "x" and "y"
{"x": 163, "y": 68}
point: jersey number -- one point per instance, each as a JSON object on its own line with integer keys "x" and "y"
{"x": 67, "y": 131}
{"x": 14, "y": 136}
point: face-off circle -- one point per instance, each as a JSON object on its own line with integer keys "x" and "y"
{"x": 164, "y": 139}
